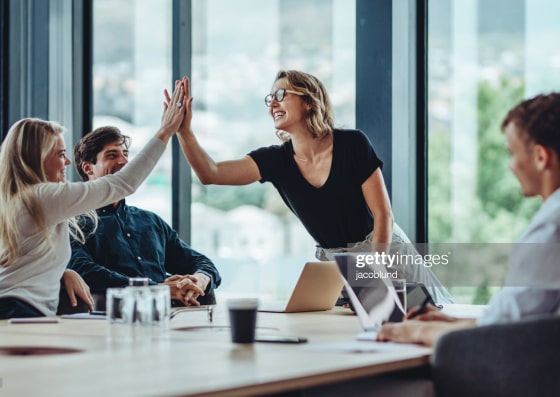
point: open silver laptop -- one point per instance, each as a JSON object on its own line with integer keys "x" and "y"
{"x": 317, "y": 288}
{"x": 371, "y": 293}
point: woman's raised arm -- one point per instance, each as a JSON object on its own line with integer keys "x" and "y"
{"x": 233, "y": 172}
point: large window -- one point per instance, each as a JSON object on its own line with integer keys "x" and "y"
{"x": 237, "y": 49}
{"x": 131, "y": 66}
{"x": 478, "y": 67}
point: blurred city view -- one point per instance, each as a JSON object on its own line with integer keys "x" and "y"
{"x": 478, "y": 67}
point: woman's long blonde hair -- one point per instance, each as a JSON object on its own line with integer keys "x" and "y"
{"x": 22, "y": 155}
{"x": 320, "y": 117}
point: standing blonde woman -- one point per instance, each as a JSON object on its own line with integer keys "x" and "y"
{"x": 37, "y": 206}
{"x": 330, "y": 178}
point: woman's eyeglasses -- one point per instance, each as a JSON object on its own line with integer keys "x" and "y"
{"x": 279, "y": 95}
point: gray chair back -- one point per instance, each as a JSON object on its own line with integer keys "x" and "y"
{"x": 517, "y": 359}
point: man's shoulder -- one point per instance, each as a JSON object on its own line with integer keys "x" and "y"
{"x": 548, "y": 215}
{"x": 147, "y": 215}
{"x": 140, "y": 211}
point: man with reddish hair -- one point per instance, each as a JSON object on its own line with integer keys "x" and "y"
{"x": 532, "y": 131}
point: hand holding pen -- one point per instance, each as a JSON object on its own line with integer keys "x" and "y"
{"x": 428, "y": 312}
{"x": 421, "y": 309}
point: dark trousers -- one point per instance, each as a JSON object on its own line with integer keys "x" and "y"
{"x": 14, "y": 307}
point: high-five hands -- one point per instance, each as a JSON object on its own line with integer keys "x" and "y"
{"x": 185, "y": 85}
{"x": 173, "y": 113}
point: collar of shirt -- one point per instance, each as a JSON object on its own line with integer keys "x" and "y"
{"x": 121, "y": 207}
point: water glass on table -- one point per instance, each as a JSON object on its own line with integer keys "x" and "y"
{"x": 138, "y": 312}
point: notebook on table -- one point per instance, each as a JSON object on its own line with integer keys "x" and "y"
{"x": 373, "y": 298}
{"x": 317, "y": 288}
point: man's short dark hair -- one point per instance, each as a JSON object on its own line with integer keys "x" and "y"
{"x": 92, "y": 143}
{"x": 539, "y": 118}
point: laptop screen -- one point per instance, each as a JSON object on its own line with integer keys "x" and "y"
{"x": 370, "y": 290}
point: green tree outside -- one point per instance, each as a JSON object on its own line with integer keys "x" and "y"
{"x": 499, "y": 212}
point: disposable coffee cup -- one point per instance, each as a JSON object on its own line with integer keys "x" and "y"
{"x": 243, "y": 319}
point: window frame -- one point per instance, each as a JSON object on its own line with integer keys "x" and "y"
{"x": 47, "y": 41}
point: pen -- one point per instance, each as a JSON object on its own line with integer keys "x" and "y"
{"x": 422, "y": 308}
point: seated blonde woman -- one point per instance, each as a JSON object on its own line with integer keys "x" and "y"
{"x": 37, "y": 207}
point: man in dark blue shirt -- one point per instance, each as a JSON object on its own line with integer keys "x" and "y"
{"x": 131, "y": 242}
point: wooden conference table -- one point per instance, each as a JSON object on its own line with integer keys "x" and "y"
{"x": 195, "y": 358}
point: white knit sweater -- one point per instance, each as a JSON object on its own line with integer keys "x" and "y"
{"x": 35, "y": 276}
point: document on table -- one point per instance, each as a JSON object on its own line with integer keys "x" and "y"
{"x": 86, "y": 316}
{"x": 33, "y": 320}
{"x": 367, "y": 335}
{"x": 362, "y": 347}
